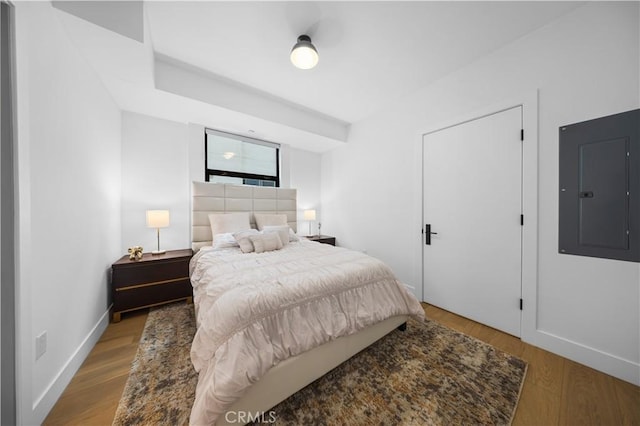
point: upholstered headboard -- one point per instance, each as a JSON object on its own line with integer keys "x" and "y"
{"x": 226, "y": 198}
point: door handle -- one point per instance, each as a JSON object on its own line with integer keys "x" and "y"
{"x": 428, "y": 234}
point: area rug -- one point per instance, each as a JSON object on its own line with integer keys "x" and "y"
{"x": 425, "y": 375}
{"x": 162, "y": 382}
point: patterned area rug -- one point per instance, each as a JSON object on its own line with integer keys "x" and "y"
{"x": 426, "y": 375}
{"x": 162, "y": 382}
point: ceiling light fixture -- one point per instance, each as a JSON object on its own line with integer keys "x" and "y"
{"x": 304, "y": 54}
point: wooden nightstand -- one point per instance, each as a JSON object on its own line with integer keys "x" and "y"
{"x": 150, "y": 281}
{"x": 324, "y": 239}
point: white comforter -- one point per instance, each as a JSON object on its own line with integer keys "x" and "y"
{"x": 255, "y": 310}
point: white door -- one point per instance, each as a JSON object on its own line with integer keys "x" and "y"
{"x": 472, "y": 202}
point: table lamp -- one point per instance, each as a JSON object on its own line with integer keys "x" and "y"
{"x": 309, "y": 215}
{"x": 158, "y": 219}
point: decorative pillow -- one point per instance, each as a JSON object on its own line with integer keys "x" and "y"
{"x": 281, "y": 230}
{"x": 224, "y": 223}
{"x": 225, "y": 240}
{"x": 242, "y": 239}
{"x": 292, "y": 236}
{"x": 264, "y": 219}
{"x": 266, "y": 242}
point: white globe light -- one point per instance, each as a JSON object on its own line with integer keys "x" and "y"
{"x": 304, "y": 54}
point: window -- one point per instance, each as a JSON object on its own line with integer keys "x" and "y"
{"x": 238, "y": 159}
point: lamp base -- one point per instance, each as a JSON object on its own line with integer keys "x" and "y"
{"x": 158, "y": 252}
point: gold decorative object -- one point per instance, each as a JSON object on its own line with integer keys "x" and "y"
{"x": 135, "y": 253}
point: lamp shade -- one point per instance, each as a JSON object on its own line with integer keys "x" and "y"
{"x": 304, "y": 54}
{"x": 157, "y": 218}
{"x": 309, "y": 215}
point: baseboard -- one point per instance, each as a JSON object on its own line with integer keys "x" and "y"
{"x": 52, "y": 393}
{"x": 598, "y": 360}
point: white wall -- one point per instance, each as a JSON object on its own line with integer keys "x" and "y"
{"x": 304, "y": 169}
{"x": 584, "y": 65}
{"x": 68, "y": 165}
{"x": 154, "y": 177}
{"x": 160, "y": 158}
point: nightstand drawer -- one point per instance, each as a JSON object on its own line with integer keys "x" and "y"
{"x": 152, "y": 272}
{"x": 125, "y": 299}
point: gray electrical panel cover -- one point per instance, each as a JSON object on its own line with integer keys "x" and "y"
{"x": 599, "y": 187}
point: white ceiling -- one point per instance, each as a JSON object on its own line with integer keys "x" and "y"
{"x": 371, "y": 53}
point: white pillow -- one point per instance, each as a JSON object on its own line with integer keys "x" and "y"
{"x": 266, "y": 242}
{"x": 224, "y": 223}
{"x": 281, "y": 230}
{"x": 242, "y": 239}
{"x": 225, "y": 240}
{"x": 264, "y": 219}
{"x": 292, "y": 236}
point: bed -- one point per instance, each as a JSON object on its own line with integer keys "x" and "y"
{"x": 270, "y": 323}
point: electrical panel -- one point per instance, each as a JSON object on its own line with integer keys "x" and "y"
{"x": 599, "y": 187}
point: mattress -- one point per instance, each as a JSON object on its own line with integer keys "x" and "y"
{"x": 255, "y": 310}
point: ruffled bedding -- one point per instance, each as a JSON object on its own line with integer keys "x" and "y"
{"x": 255, "y": 310}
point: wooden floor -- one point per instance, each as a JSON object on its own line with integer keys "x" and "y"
{"x": 94, "y": 392}
{"x": 556, "y": 391}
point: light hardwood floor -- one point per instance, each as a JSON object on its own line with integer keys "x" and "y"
{"x": 556, "y": 391}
